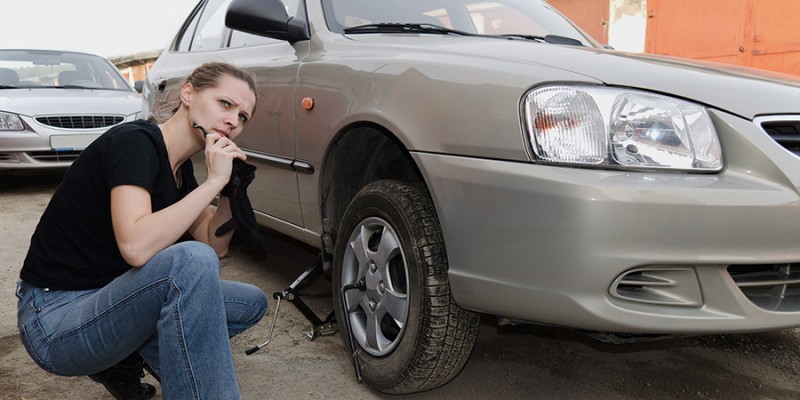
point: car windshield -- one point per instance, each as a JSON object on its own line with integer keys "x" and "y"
{"x": 516, "y": 19}
{"x": 53, "y": 69}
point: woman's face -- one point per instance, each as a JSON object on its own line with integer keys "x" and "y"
{"x": 223, "y": 109}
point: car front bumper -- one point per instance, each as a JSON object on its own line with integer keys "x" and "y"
{"x": 622, "y": 251}
{"x": 43, "y": 147}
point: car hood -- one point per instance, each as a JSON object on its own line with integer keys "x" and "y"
{"x": 48, "y": 101}
{"x": 742, "y": 91}
{"x": 746, "y": 92}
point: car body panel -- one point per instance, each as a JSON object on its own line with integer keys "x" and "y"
{"x": 32, "y": 102}
{"x": 705, "y": 222}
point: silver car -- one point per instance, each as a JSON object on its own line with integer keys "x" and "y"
{"x": 54, "y": 103}
{"x": 452, "y": 158}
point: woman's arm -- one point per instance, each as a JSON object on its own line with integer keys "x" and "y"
{"x": 204, "y": 228}
{"x": 141, "y": 233}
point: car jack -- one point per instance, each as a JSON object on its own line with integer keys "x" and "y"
{"x": 319, "y": 327}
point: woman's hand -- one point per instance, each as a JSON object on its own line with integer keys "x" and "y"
{"x": 220, "y": 152}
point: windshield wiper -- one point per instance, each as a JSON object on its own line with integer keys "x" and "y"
{"x": 396, "y": 27}
{"x": 552, "y": 39}
{"x": 73, "y": 87}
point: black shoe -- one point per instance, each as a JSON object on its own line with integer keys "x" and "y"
{"x": 124, "y": 380}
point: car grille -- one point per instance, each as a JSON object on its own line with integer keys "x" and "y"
{"x": 786, "y": 133}
{"x": 8, "y": 157}
{"x": 80, "y": 121}
{"x": 55, "y": 156}
{"x": 774, "y": 287}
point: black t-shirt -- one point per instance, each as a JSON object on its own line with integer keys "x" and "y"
{"x": 73, "y": 246}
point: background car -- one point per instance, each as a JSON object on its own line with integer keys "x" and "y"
{"x": 54, "y": 103}
{"x": 452, "y": 158}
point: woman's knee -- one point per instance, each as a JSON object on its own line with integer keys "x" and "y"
{"x": 188, "y": 258}
{"x": 245, "y": 305}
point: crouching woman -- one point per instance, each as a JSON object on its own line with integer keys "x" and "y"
{"x": 108, "y": 280}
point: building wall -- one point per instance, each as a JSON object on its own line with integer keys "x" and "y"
{"x": 589, "y": 15}
{"x": 627, "y": 25}
{"x": 754, "y": 33}
{"x": 135, "y": 73}
{"x": 135, "y": 67}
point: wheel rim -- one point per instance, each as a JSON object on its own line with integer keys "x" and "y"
{"x": 378, "y": 314}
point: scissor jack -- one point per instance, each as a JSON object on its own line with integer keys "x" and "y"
{"x": 319, "y": 327}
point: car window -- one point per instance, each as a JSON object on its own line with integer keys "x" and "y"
{"x": 184, "y": 39}
{"x": 498, "y": 17}
{"x": 242, "y": 39}
{"x": 493, "y": 18}
{"x": 53, "y": 69}
{"x": 211, "y": 31}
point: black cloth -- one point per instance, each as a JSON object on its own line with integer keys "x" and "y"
{"x": 73, "y": 246}
{"x": 244, "y": 219}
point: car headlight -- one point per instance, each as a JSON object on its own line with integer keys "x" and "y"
{"x": 10, "y": 122}
{"x": 621, "y": 128}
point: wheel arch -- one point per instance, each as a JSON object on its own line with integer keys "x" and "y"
{"x": 361, "y": 153}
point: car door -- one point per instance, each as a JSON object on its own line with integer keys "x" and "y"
{"x": 268, "y": 139}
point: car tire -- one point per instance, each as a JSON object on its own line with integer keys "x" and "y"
{"x": 409, "y": 334}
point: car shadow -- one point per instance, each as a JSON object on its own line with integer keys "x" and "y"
{"x": 528, "y": 361}
{"x": 23, "y": 183}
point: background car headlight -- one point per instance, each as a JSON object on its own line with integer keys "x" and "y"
{"x": 10, "y": 122}
{"x": 608, "y": 127}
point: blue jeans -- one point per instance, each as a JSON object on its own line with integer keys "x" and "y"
{"x": 175, "y": 311}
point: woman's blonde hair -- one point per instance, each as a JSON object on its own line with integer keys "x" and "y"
{"x": 208, "y": 74}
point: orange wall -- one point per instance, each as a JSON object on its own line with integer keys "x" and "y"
{"x": 590, "y": 15}
{"x": 756, "y": 33}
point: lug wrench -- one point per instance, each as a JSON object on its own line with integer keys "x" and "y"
{"x": 252, "y": 350}
{"x": 359, "y": 284}
{"x": 195, "y": 126}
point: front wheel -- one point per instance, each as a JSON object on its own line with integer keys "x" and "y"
{"x": 410, "y": 335}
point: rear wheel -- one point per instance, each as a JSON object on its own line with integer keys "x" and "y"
{"x": 409, "y": 334}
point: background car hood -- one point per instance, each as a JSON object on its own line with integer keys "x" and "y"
{"x": 742, "y": 91}
{"x": 32, "y": 102}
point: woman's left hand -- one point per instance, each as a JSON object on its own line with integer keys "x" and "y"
{"x": 219, "y": 153}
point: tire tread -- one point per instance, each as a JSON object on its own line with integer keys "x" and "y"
{"x": 450, "y": 332}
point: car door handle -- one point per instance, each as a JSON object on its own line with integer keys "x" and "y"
{"x": 161, "y": 85}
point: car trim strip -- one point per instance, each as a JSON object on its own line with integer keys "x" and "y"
{"x": 291, "y": 164}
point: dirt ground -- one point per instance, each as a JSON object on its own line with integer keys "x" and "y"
{"x": 522, "y": 362}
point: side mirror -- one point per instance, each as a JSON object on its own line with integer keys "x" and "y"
{"x": 138, "y": 85}
{"x": 266, "y": 18}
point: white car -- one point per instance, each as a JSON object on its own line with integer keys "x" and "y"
{"x": 54, "y": 103}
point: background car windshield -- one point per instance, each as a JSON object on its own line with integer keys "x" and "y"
{"x": 501, "y": 17}
{"x": 48, "y": 69}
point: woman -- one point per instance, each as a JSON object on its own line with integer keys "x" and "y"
{"x": 104, "y": 278}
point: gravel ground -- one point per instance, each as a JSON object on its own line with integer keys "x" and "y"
{"x": 518, "y": 362}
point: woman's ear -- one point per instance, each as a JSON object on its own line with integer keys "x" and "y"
{"x": 187, "y": 92}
